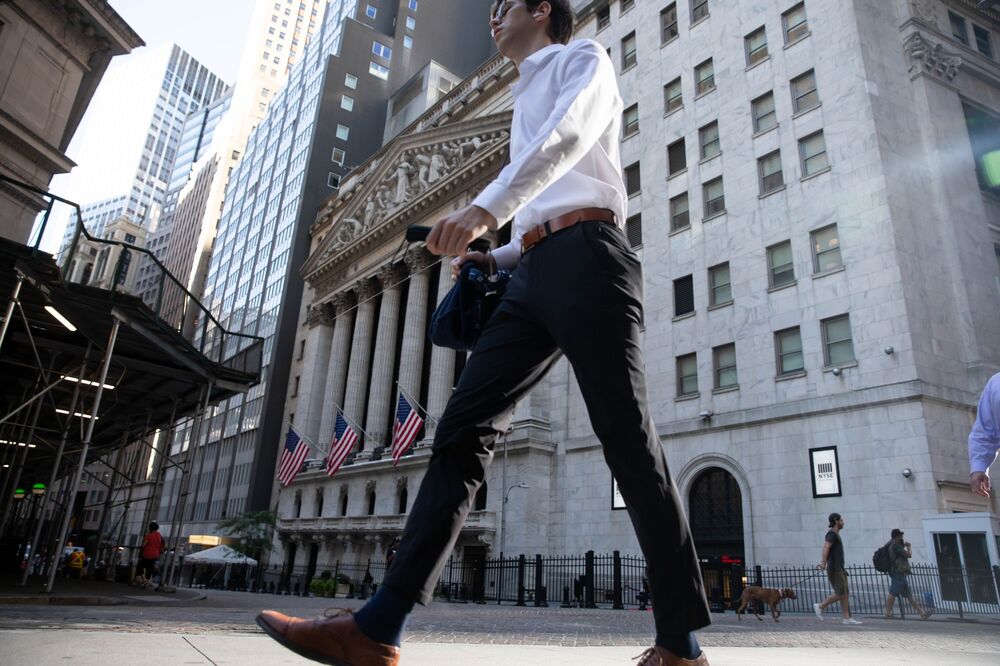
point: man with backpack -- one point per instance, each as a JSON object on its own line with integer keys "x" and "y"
{"x": 898, "y": 554}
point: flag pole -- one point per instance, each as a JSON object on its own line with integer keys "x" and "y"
{"x": 421, "y": 407}
{"x": 351, "y": 421}
{"x": 312, "y": 444}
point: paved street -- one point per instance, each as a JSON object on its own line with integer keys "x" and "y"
{"x": 219, "y": 629}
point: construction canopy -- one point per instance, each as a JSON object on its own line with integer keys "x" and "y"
{"x": 219, "y": 555}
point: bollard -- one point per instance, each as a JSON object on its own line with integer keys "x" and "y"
{"x": 566, "y": 603}
{"x": 540, "y": 600}
{"x": 617, "y": 578}
{"x": 588, "y": 589}
{"x": 520, "y": 580}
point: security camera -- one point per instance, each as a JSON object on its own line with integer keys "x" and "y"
{"x": 706, "y": 414}
{"x": 836, "y": 372}
{"x": 889, "y": 351}
{"x": 907, "y": 472}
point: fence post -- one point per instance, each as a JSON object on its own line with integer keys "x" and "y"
{"x": 588, "y": 583}
{"x": 520, "y": 580}
{"x": 541, "y": 595}
{"x": 617, "y": 582}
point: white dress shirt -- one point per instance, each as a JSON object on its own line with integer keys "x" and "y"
{"x": 564, "y": 143}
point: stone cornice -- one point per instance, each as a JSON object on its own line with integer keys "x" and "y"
{"x": 929, "y": 58}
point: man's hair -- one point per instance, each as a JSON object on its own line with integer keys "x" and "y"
{"x": 896, "y": 532}
{"x": 560, "y": 28}
{"x": 154, "y": 526}
{"x": 834, "y": 517}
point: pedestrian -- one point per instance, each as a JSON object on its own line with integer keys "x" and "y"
{"x": 833, "y": 562}
{"x": 900, "y": 554}
{"x": 577, "y": 290}
{"x": 76, "y": 561}
{"x": 152, "y": 548}
{"x": 984, "y": 440}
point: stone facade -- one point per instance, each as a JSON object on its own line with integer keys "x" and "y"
{"x": 873, "y": 254}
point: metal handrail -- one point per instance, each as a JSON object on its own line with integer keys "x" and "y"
{"x": 255, "y": 340}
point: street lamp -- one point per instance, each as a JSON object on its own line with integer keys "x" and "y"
{"x": 503, "y": 514}
{"x": 38, "y": 489}
{"x": 19, "y": 493}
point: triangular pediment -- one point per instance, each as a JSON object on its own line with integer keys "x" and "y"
{"x": 416, "y": 173}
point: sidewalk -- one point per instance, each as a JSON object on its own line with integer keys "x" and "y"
{"x": 87, "y": 592}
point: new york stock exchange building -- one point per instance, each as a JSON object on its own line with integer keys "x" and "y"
{"x": 803, "y": 354}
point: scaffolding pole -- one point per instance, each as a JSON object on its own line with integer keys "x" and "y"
{"x": 74, "y": 486}
{"x": 8, "y": 508}
{"x": 10, "y": 308}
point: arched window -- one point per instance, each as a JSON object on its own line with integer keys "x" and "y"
{"x": 716, "y": 514}
{"x": 480, "y": 504}
{"x": 319, "y": 502}
{"x": 402, "y": 499}
{"x": 371, "y": 503}
{"x": 343, "y": 504}
{"x": 298, "y": 503}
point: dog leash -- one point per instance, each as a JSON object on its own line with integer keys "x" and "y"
{"x": 802, "y": 580}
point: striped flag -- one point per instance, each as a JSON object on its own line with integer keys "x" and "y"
{"x": 292, "y": 457}
{"x": 344, "y": 439}
{"x": 408, "y": 424}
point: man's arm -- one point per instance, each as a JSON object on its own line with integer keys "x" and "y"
{"x": 984, "y": 439}
{"x": 825, "y": 556}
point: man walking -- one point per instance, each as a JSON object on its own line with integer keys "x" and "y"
{"x": 833, "y": 562}
{"x": 577, "y": 291}
{"x": 900, "y": 554}
{"x": 152, "y": 548}
{"x": 984, "y": 440}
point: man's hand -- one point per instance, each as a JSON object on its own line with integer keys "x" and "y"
{"x": 478, "y": 258}
{"x": 979, "y": 483}
{"x": 453, "y": 233}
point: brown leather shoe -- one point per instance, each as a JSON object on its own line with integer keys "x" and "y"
{"x": 329, "y": 640}
{"x": 657, "y": 656}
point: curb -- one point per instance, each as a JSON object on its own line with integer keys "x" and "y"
{"x": 36, "y": 600}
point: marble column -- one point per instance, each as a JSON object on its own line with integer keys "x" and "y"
{"x": 411, "y": 358}
{"x": 336, "y": 371}
{"x": 442, "y": 379}
{"x": 315, "y": 360}
{"x": 381, "y": 394}
{"x": 357, "y": 373}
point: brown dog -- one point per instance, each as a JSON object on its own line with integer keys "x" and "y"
{"x": 766, "y": 595}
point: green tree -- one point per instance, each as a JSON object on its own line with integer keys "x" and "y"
{"x": 252, "y": 530}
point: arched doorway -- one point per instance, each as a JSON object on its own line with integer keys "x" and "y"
{"x": 715, "y": 507}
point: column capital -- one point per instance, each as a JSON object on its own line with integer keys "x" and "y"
{"x": 418, "y": 258}
{"x": 365, "y": 288}
{"x": 390, "y": 276}
{"x": 321, "y": 313}
{"x": 343, "y": 300}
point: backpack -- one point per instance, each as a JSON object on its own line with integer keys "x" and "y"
{"x": 882, "y": 558}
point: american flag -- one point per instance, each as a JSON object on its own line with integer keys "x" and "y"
{"x": 344, "y": 439}
{"x": 292, "y": 457}
{"x": 408, "y": 424}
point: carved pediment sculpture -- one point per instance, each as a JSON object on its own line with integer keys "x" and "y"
{"x": 929, "y": 58}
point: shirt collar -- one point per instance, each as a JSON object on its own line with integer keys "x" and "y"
{"x": 533, "y": 63}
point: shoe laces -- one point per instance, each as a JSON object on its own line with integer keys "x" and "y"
{"x": 337, "y": 612}
{"x": 651, "y": 657}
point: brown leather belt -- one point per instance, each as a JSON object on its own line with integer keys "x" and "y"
{"x": 545, "y": 229}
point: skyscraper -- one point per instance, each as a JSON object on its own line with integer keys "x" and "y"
{"x": 330, "y": 114}
{"x": 159, "y": 88}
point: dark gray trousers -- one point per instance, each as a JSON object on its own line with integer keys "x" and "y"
{"x": 577, "y": 293}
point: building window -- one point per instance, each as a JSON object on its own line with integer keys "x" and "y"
{"x": 676, "y": 157}
{"x": 633, "y": 183}
{"x": 343, "y": 131}
{"x": 826, "y": 249}
{"x": 343, "y": 504}
{"x": 756, "y": 46}
{"x": 668, "y": 23}
{"x": 683, "y": 295}
{"x": 407, "y": 42}
{"x": 333, "y": 181}
{"x": 769, "y": 172}
{"x": 630, "y": 121}
{"x": 794, "y": 22}
{"x": 378, "y": 71}
{"x": 708, "y": 139}
{"x": 347, "y": 102}
{"x": 788, "y": 351}
{"x": 704, "y": 76}
{"x": 804, "y": 94}
{"x": 371, "y": 12}
{"x": 633, "y": 231}
{"x": 413, "y": 5}
{"x": 720, "y": 288}
{"x": 984, "y": 134}
{"x": 673, "y": 99}
{"x": 724, "y": 364}
{"x": 715, "y": 201}
{"x": 764, "y": 116}
{"x": 302, "y": 349}
{"x": 351, "y": 81}
{"x": 781, "y": 270}
{"x": 626, "y": 5}
{"x": 403, "y": 497}
{"x": 628, "y": 51}
{"x": 371, "y": 503}
{"x": 838, "y": 348}
{"x": 958, "y": 29}
{"x": 338, "y": 156}
{"x": 813, "y": 152}
{"x": 603, "y": 18}
{"x": 679, "y": 217}
{"x": 687, "y": 375}
{"x": 381, "y": 50}
{"x": 982, "y": 36}
{"x": 699, "y": 10}
{"x": 411, "y": 23}
{"x": 295, "y": 387}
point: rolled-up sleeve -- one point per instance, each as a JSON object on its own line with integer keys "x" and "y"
{"x": 984, "y": 440}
